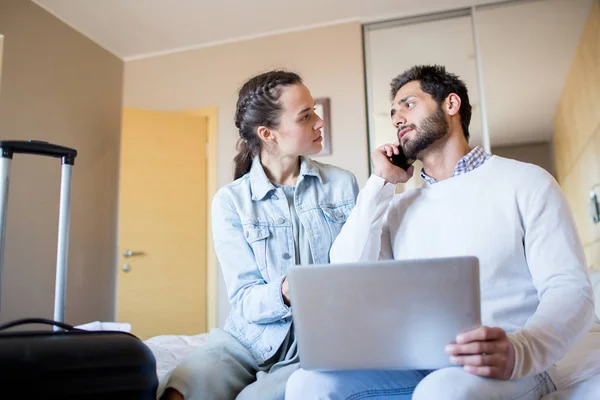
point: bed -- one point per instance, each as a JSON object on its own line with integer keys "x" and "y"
{"x": 170, "y": 349}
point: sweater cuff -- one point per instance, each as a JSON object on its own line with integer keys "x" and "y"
{"x": 378, "y": 187}
{"x": 518, "y": 367}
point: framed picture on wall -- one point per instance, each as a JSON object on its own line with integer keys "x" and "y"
{"x": 322, "y": 110}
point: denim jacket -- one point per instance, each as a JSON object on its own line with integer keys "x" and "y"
{"x": 254, "y": 243}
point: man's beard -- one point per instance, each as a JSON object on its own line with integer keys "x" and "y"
{"x": 431, "y": 129}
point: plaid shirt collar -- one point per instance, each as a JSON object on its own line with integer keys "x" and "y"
{"x": 475, "y": 158}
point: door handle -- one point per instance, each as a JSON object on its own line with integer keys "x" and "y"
{"x": 130, "y": 253}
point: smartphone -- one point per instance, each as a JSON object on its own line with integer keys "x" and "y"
{"x": 400, "y": 160}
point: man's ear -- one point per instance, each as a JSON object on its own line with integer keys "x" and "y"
{"x": 452, "y": 104}
{"x": 266, "y": 135}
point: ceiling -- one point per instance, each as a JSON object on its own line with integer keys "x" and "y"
{"x": 526, "y": 51}
{"x": 133, "y": 29}
{"x": 526, "y": 46}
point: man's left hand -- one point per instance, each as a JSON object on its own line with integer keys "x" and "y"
{"x": 485, "y": 352}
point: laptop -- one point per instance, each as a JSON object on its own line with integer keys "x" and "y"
{"x": 383, "y": 314}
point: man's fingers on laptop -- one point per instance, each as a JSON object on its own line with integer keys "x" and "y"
{"x": 478, "y": 360}
{"x": 484, "y": 351}
{"x": 494, "y": 365}
{"x": 481, "y": 334}
{"x": 475, "y": 348}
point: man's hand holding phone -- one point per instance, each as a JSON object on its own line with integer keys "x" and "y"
{"x": 383, "y": 167}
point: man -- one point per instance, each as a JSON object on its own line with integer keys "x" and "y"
{"x": 536, "y": 297}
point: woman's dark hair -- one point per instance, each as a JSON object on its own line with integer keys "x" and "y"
{"x": 439, "y": 84}
{"x": 258, "y": 105}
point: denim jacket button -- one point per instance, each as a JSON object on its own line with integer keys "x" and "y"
{"x": 281, "y": 221}
{"x": 268, "y": 348}
{"x": 286, "y": 256}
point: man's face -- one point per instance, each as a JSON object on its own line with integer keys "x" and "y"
{"x": 419, "y": 119}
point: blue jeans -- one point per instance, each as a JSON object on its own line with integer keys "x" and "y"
{"x": 447, "y": 383}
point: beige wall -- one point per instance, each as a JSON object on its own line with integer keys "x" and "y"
{"x": 329, "y": 59}
{"x": 541, "y": 154}
{"x": 577, "y": 134}
{"x": 1, "y": 51}
{"x": 58, "y": 86}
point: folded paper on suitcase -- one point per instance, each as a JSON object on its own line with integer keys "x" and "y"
{"x": 105, "y": 326}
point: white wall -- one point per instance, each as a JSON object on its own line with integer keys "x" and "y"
{"x": 540, "y": 154}
{"x": 329, "y": 59}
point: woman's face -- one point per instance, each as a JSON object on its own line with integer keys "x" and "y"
{"x": 299, "y": 130}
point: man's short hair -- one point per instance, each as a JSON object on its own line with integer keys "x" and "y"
{"x": 439, "y": 84}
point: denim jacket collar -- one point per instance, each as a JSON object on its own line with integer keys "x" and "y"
{"x": 260, "y": 184}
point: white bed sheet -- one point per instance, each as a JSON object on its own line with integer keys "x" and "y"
{"x": 169, "y": 350}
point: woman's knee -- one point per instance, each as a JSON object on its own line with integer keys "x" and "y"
{"x": 192, "y": 370}
{"x": 193, "y": 374}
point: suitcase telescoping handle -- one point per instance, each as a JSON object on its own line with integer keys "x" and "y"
{"x": 10, "y": 147}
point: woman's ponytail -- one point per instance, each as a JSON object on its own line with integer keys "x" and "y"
{"x": 243, "y": 160}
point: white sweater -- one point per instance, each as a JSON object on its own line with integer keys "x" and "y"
{"x": 515, "y": 219}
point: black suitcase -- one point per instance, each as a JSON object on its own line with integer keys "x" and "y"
{"x": 66, "y": 362}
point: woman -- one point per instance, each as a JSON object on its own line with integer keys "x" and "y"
{"x": 283, "y": 209}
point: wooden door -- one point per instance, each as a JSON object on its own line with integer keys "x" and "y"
{"x": 161, "y": 286}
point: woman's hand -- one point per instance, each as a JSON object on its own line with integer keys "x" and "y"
{"x": 383, "y": 167}
{"x": 285, "y": 291}
{"x": 485, "y": 352}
